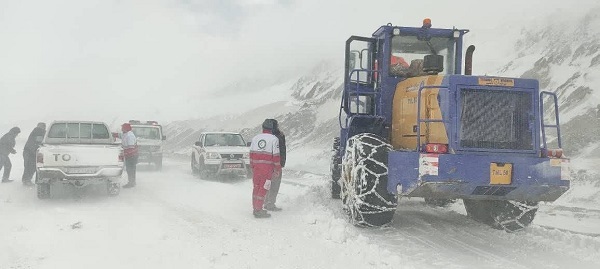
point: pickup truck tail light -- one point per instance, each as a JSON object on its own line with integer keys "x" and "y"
{"x": 39, "y": 158}
{"x": 121, "y": 157}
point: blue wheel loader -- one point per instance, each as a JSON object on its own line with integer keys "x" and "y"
{"x": 412, "y": 124}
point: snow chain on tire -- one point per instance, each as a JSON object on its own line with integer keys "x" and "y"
{"x": 335, "y": 169}
{"x": 515, "y": 215}
{"x": 364, "y": 181}
{"x": 510, "y": 216}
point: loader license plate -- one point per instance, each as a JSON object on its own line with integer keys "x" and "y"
{"x": 232, "y": 165}
{"x": 80, "y": 170}
{"x": 500, "y": 173}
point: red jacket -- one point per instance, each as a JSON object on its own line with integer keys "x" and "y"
{"x": 264, "y": 155}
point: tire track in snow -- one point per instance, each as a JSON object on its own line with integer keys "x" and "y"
{"x": 450, "y": 239}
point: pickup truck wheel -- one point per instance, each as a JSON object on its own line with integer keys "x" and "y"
{"x": 364, "y": 178}
{"x": 158, "y": 164}
{"x": 202, "y": 171}
{"x": 510, "y": 216}
{"x": 194, "y": 166}
{"x": 113, "y": 188}
{"x": 43, "y": 190}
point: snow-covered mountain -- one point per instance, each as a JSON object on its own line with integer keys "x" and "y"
{"x": 306, "y": 107}
{"x": 564, "y": 55}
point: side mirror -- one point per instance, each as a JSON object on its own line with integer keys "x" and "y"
{"x": 164, "y": 137}
{"x": 198, "y": 144}
{"x": 248, "y": 144}
{"x": 115, "y": 135}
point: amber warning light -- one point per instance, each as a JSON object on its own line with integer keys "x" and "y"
{"x": 427, "y": 23}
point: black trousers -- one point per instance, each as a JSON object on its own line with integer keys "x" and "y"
{"x": 130, "y": 167}
{"x": 6, "y": 164}
{"x": 29, "y": 162}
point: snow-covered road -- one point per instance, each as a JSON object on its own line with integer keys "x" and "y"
{"x": 175, "y": 220}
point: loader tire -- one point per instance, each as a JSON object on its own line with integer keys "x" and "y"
{"x": 510, "y": 216}
{"x": 335, "y": 169}
{"x": 364, "y": 179}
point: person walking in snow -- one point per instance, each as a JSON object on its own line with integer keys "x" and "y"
{"x": 266, "y": 165}
{"x": 29, "y": 152}
{"x": 276, "y": 181}
{"x": 7, "y": 146}
{"x": 130, "y": 152}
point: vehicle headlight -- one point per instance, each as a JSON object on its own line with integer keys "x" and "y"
{"x": 246, "y": 156}
{"x": 213, "y": 155}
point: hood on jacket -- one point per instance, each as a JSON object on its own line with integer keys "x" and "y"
{"x": 15, "y": 131}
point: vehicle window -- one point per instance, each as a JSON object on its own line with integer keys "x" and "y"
{"x": 72, "y": 130}
{"x": 360, "y": 104}
{"x": 407, "y": 54}
{"x": 146, "y": 132}
{"x": 85, "y": 130}
{"x": 99, "y": 131}
{"x": 232, "y": 140}
{"x": 58, "y": 130}
{"x": 78, "y": 130}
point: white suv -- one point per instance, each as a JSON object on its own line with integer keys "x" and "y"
{"x": 218, "y": 153}
{"x": 150, "y": 141}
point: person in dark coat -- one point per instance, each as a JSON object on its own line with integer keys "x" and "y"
{"x": 29, "y": 152}
{"x": 276, "y": 181}
{"x": 7, "y": 146}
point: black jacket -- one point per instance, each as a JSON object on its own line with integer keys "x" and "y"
{"x": 7, "y": 143}
{"x": 35, "y": 139}
{"x": 282, "y": 148}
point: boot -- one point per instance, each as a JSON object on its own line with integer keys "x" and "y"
{"x": 261, "y": 214}
{"x": 28, "y": 184}
{"x": 272, "y": 208}
{"x": 6, "y": 180}
{"x": 129, "y": 185}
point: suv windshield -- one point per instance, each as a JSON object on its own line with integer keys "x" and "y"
{"x": 146, "y": 132}
{"x": 231, "y": 140}
{"x": 408, "y": 53}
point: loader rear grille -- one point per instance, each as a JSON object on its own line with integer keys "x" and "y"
{"x": 496, "y": 119}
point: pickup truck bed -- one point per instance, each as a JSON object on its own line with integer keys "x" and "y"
{"x": 78, "y": 154}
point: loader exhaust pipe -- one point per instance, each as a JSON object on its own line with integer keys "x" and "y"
{"x": 469, "y": 60}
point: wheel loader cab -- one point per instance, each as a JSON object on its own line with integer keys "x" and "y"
{"x": 375, "y": 66}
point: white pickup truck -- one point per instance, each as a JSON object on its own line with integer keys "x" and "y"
{"x": 75, "y": 154}
{"x": 217, "y": 153}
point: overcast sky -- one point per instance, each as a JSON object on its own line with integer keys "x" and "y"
{"x": 112, "y": 60}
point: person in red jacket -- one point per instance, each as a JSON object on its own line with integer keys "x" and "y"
{"x": 266, "y": 165}
{"x": 130, "y": 152}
